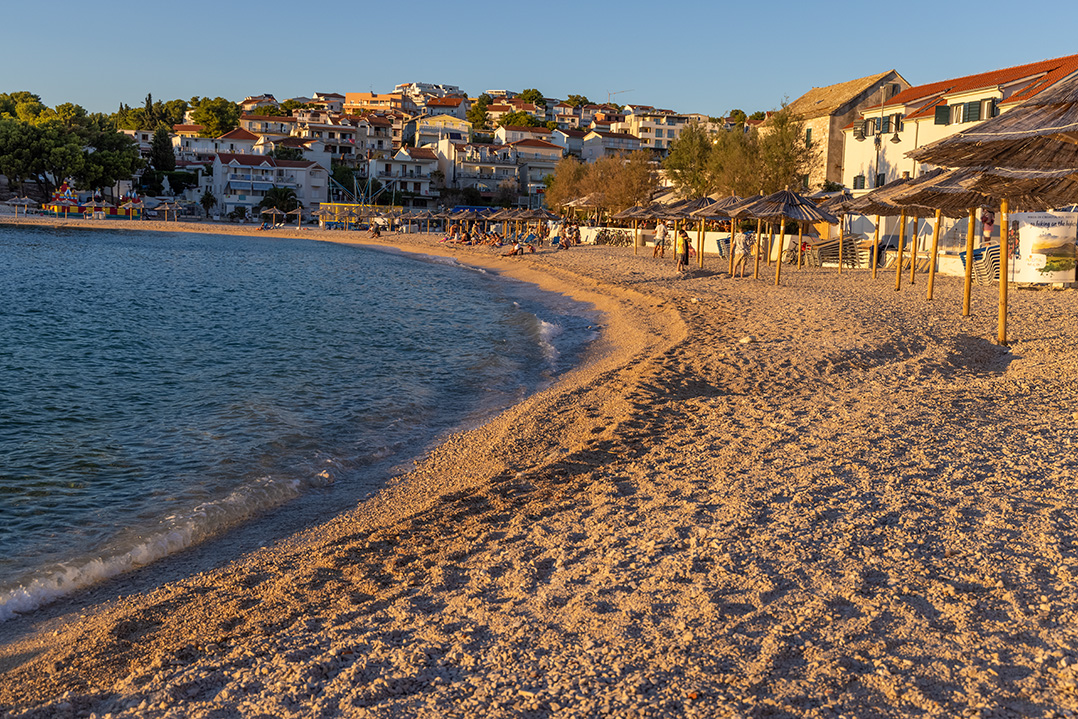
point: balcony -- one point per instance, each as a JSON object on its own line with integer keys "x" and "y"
{"x": 405, "y": 175}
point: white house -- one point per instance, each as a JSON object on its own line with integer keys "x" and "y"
{"x": 241, "y": 181}
{"x": 877, "y": 141}
{"x": 407, "y": 175}
{"x": 535, "y": 160}
{"x": 507, "y": 134}
{"x": 598, "y": 144}
{"x": 570, "y": 141}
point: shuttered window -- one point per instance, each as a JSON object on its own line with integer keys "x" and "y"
{"x": 898, "y": 124}
{"x": 886, "y": 124}
{"x": 859, "y": 129}
{"x": 943, "y": 115}
{"x": 808, "y": 137}
{"x": 973, "y": 111}
{"x": 881, "y": 180}
{"x": 859, "y": 182}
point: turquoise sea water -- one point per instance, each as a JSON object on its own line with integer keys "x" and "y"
{"x": 158, "y": 388}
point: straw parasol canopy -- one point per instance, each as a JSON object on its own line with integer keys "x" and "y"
{"x": 786, "y": 205}
{"x": 273, "y": 211}
{"x": 630, "y": 213}
{"x": 1029, "y": 188}
{"x": 719, "y": 207}
{"x": 1039, "y": 134}
{"x": 947, "y": 191}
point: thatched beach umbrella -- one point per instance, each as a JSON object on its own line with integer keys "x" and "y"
{"x": 790, "y": 206}
{"x": 298, "y": 212}
{"x": 716, "y": 210}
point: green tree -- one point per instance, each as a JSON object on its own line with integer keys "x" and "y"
{"x": 519, "y": 119}
{"x": 738, "y": 116}
{"x": 109, "y": 155}
{"x": 477, "y": 113}
{"x": 566, "y": 182}
{"x": 784, "y": 157}
{"x": 286, "y": 153}
{"x": 208, "y": 201}
{"x": 283, "y": 198}
{"x": 217, "y": 116}
{"x": 733, "y": 163}
{"x": 758, "y": 115}
{"x": 162, "y": 156}
{"x": 533, "y": 96}
{"x": 578, "y": 100}
{"x": 688, "y": 161}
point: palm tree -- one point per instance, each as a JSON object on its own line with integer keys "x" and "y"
{"x": 283, "y": 198}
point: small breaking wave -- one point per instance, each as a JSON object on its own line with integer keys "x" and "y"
{"x": 177, "y": 533}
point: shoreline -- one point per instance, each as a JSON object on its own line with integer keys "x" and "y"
{"x": 822, "y": 499}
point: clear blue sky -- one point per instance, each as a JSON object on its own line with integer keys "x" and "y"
{"x": 705, "y": 57}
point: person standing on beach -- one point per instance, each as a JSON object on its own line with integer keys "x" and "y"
{"x": 741, "y": 252}
{"x": 681, "y": 250}
{"x": 660, "y": 240}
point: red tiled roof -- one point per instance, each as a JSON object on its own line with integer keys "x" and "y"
{"x": 533, "y": 142}
{"x": 422, "y": 153}
{"x": 271, "y": 118}
{"x": 571, "y": 132}
{"x": 187, "y": 128}
{"x": 614, "y": 135}
{"x": 238, "y": 134}
{"x": 532, "y": 130}
{"x": 1051, "y": 70}
{"x": 444, "y": 102}
{"x": 228, "y": 158}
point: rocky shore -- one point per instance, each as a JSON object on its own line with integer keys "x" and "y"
{"x": 823, "y": 499}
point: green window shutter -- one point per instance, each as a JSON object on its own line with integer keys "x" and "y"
{"x": 808, "y": 137}
{"x": 859, "y": 129}
{"x": 973, "y": 111}
{"x": 886, "y": 125}
{"x": 943, "y": 115}
{"x": 859, "y": 182}
{"x": 993, "y": 107}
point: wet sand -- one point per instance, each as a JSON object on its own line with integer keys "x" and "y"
{"x": 823, "y": 499}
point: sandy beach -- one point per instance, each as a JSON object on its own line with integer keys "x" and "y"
{"x": 825, "y": 499}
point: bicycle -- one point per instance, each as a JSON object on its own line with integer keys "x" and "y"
{"x": 613, "y": 238}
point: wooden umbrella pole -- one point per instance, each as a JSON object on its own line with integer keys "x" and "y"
{"x": 935, "y": 253}
{"x": 913, "y": 250}
{"x": 901, "y": 251}
{"x": 840, "y": 247}
{"x": 759, "y": 243}
{"x": 730, "y": 249}
{"x": 1004, "y": 259}
{"x": 636, "y": 236}
{"x": 876, "y": 248}
{"x": 782, "y": 244}
{"x": 800, "y": 235}
{"x": 770, "y": 241}
{"x": 700, "y": 245}
{"x": 969, "y": 262}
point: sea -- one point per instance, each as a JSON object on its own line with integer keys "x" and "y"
{"x": 158, "y": 390}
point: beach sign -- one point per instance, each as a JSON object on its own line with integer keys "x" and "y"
{"x": 1046, "y": 246}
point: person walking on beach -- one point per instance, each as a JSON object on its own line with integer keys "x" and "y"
{"x": 660, "y": 240}
{"x": 681, "y": 250}
{"x": 741, "y": 252}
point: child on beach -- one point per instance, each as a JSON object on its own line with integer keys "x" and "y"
{"x": 682, "y": 250}
{"x": 741, "y": 252}
{"x": 660, "y": 240}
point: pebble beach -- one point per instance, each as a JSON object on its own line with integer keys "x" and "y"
{"x": 823, "y": 499}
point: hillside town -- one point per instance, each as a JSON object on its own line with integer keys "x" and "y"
{"x": 425, "y": 145}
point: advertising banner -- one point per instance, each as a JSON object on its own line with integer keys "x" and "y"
{"x": 1046, "y": 246}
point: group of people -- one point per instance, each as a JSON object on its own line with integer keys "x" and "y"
{"x": 683, "y": 248}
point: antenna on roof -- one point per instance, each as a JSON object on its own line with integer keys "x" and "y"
{"x": 610, "y": 95}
